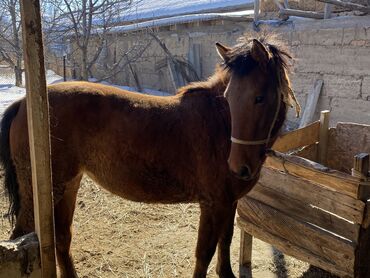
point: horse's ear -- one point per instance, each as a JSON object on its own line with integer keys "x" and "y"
{"x": 259, "y": 52}
{"x": 222, "y": 50}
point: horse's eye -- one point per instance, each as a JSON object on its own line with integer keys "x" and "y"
{"x": 259, "y": 99}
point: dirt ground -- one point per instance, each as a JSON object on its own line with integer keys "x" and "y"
{"x": 114, "y": 237}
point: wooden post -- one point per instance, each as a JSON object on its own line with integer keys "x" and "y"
{"x": 39, "y": 135}
{"x": 256, "y": 10}
{"x": 361, "y": 171}
{"x": 245, "y": 254}
{"x": 327, "y": 10}
{"x": 362, "y": 253}
{"x": 323, "y": 143}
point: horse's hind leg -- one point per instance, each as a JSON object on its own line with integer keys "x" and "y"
{"x": 223, "y": 261}
{"x": 63, "y": 213}
{"x": 24, "y": 223}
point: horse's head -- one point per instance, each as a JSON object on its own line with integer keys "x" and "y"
{"x": 257, "y": 93}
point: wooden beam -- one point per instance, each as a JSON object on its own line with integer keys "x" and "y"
{"x": 324, "y": 137}
{"x": 39, "y": 134}
{"x": 300, "y": 167}
{"x": 348, "y": 5}
{"x": 245, "y": 255}
{"x": 298, "y": 138}
{"x": 289, "y": 12}
{"x": 312, "y": 99}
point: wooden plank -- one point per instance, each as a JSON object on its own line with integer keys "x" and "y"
{"x": 298, "y": 138}
{"x": 323, "y": 142}
{"x": 245, "y": 253}
{"x": 348, "y": 5}
{"x": 315, "y": 172}
{"x": 305, "y": 212}
{"x": 39, "y": 133}
{"x": 290, "y": 248}
{"x": 312, "y": 99}
{"x": 319, "y": 242}
{"x": 309, "y": 14}
{"x": 310, "y": 193}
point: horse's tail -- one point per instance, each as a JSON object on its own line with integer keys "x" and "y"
{"x": 10, "y": 183}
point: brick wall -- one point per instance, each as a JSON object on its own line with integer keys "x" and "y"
{"x": 335, "y": 50}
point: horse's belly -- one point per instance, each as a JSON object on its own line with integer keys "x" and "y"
{"x": 146, "y": 186}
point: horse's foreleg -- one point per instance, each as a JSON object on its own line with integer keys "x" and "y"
{"x": 63, "y": 212}
{"x": 208, "y": 235}
{"x": 223, "y": 260}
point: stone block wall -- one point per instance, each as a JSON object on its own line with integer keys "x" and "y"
{"x": 335, "y": 50}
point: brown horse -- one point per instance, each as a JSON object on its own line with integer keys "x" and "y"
{"x": 154, "y": 149}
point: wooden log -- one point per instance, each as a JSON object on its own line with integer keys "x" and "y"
{"x": 312, "y": 99}
{"x": 315, "y": 172}
{"x": 323, "y": 142}
{"x": 305, "y": 212}
{"x": 327, "y": 10}
{"x": 290, "y": 248}
{"x": 245, "y": 254}
{"x": 292, "y": 12}
{"x": 298, "y": 138}
{"x": 321, "y": 243}
{"x": 348, "y": 5}
{"x": 310, "y": 193}
{"x": 39, "y": 133}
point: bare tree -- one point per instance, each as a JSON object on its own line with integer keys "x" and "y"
{"x": 86, "y": 23}
{"x": 10, "y": 37}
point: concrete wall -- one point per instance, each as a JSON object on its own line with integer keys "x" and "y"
{"x": 335, "y": 50}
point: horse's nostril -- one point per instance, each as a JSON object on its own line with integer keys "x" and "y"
{"x": 244, "y": 172}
